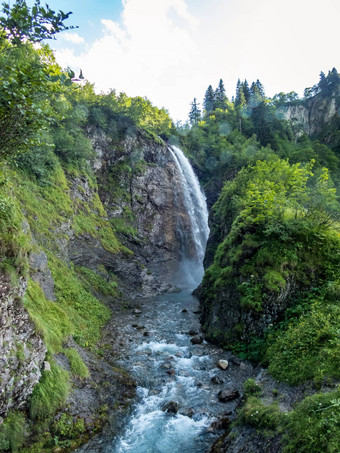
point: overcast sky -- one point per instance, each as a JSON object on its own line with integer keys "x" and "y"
{"x": 171, "y": 50}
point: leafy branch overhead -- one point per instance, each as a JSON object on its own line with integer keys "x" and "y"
{"x": 20, "y": 23}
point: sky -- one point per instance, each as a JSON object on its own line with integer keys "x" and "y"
{"x": 171, "y": 50}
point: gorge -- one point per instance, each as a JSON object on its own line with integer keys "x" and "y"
{"x": 104, "y": 234}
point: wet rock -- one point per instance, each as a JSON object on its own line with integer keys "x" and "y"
{"x": 225, "y": 396}
{"x": 217, "y": 380}
{"x": 235, "y": 361}
{"x": 171, "y": 407}
{"x": 197, "y": 312}
{"x": 147, "y": 334}
{"x": 187, "y": 412}
{"x": 222, "y": 364}
{"x": 192, "y": 332}
{"x": 171, "y": 372}
{"x": 198, "y": 339}
{"x": 184, "y": 310}
{"x": 136, "y": 311}
{"x": 222, "y": 423}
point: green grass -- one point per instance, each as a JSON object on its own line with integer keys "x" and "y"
{"x": 50, "y": 393}
{"x": 78, "y": 367}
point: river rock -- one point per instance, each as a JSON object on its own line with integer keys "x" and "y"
{"x": 192, "y": 332}
{"x": 217, "y": 380}
{"x": 225, "y": 396}
{"x": 136, "y": 311}
{"x": 171, "y": 407}
{"x": 223, "y": 364}
{"x": 222, "y": 423}
{"x": 198, "y": 339}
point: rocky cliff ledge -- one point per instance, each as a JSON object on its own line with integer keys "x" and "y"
{"x": 312, "y": 115}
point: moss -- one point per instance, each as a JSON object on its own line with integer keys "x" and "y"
{"x": 50, "y": 393}
{"x": 78, "y": 367}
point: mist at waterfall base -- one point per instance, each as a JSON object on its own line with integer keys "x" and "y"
{"x": 191, "y": 271}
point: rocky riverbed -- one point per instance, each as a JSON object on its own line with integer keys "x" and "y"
{"x": 187, "y": 389}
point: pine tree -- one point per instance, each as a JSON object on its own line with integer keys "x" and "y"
{"x": 238, "y": 92}
{"x": 195, "y": 113}
{"x": 220, "y": 96}
{"x": 209, "y": 100}
{"x": 260, "y": 88}
{"x": 246, "y": 90}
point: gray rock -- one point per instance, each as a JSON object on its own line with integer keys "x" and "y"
{"x": 171, "y": 407}
{"x": 198, "y": 339}
{"x": 217, "y": 380}
{"x": 228, "y": 395}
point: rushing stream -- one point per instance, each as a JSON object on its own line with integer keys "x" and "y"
{"x": 169, "y": 368}
{"x": 178, "y": 380}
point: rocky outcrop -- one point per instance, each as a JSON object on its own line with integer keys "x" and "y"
{"x": 312, "y": 115}
{"x": 150, "y": 200}
{"x": 224, "y": 320}
{"x": 22, "y": 351}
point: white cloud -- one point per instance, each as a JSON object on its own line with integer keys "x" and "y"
{"x": 171, "y": 50}
{"x": 74, "y": 38}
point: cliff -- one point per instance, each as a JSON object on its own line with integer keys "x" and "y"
{"x": 90, "y": 241}
{"x": 313, "y": 115}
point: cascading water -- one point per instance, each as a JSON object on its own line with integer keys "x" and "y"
{"x": 168, "y": 367}
{"x": 191, "y": 269}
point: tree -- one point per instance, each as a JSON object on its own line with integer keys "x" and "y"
{"x": 20, "y": 22}
{"x": 28, "y": 77}
{"x": 195, "y": 113}
{"x": 220, "y": 96}
{"x": 209, "y": 100}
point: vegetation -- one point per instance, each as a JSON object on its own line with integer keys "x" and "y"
{"x": 274, "y": 252}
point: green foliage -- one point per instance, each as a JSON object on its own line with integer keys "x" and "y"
{"x": 50, "y": 393}
{"x": 255, "y": 413}
{"x": 102, "y": 283}
{"x": 251, "y": 388}
{"x": 86, "y": 313}
{"x": 309, "y": 348}
{"x": 12, "y": 431}
{"x": 78, "y": 367}
{"x": 314, "y": 425}
{"x": 50, "y": 320}
{"x": 20, "y": 22}
{"x": 66, "y": 427}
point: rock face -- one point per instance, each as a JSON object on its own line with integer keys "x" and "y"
{"x": 150, "y": 201}
{"x": 22, "y": 351}
{"x": 314, "y": 114}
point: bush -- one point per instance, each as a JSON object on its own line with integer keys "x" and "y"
{"x": 12, "y": 431}
{"x": 314, "y": 425}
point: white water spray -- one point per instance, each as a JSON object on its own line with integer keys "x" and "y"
{"x": 194, "y": 200}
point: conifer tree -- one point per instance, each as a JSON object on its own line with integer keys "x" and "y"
{"x": 209, "y": 100}
{"x": 195, "y": 113}
{"x": 220, "y": 96}
{"x": 246, "y": 90}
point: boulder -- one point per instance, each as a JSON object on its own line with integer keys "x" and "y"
{"x": 225, "y": 396}
{"x": 222, "y": 364}
{"x": 171, "y": 407}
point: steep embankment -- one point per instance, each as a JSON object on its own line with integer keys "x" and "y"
{"x": 75, "y": 249}
{"x": 271, "y": 288}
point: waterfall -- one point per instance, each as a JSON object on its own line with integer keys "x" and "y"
{"x": 191, "y": 269}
